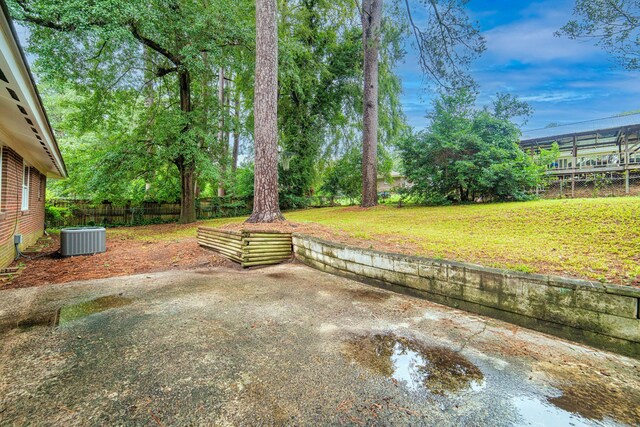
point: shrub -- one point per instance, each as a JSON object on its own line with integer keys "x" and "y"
{"x": 56, "y": 216}
{"x": 470, "y": 155}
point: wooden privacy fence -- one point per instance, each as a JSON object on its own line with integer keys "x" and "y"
{"x": 86, "y": 212}
{"x": 249, "y": 248}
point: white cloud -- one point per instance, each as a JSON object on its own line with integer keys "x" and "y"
{"x": 533, "y": 42}
{"x": 557, "y": 97}
{"x": 564, "y": 80}
{"x": 531, "y": 38}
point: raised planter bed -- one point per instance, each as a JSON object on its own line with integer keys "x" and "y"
{"x": 249, "y": 248}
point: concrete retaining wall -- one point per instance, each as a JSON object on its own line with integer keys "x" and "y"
{"x": 601, "y": 315}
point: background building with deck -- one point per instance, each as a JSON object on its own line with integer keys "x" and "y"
{"x": 597, "y": 157}
{"x": 29, "y": 152}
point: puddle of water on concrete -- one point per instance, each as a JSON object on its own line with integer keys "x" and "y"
{"x": 536, "y": 413}
{"x": 590, "y": 394}
{"x": 419, "y": 367}
{"x": 78, "y": 311}
{"x": 598, "y": 401}
{"x": 66, "y": 314}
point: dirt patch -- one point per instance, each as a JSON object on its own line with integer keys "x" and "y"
{"x": 367, "y": 295}
{"x": 418, "y": 366}
{"x": 127, "y": 253}
{"x": 161, "y": 247}
{"x": 279, "y": 275}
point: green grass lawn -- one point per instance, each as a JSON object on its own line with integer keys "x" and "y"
{"x": 593, "y": 238}
{"x": 589, "y": 238}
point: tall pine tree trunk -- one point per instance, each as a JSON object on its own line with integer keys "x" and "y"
{"x": 265, "y": 199}
{"x": 227, "y": 106}
{"x": 206, "y": 111}
{"x": 221, "y": 134}
{"x": 371, "y": 20}
{"x": 236, "y": 132}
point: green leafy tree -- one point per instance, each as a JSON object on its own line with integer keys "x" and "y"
{"x": 344, "y": 176}
{"x": 320, "y": 61}
{"x": 111, "y": 51}
{"x": 613, "y": 24}
{"x": 470, "y": 155}
{"x": 132, "y": 91}
{"x": 320, "y": 92}
{"x": 105, "y": 164}
{"x": 446, "y": 43}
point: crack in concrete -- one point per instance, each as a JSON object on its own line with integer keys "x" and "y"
{"x": 472, "y": 336}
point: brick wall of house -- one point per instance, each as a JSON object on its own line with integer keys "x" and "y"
{"x": 13, "y": 220}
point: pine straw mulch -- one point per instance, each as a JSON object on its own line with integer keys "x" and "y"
{"x": 125, "y": 255}
{"x": 162, "y": 247}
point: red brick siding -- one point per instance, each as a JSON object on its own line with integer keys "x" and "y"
{"x": 13, "y": 220}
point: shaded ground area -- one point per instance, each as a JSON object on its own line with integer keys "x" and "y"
{"x": 597, "y": 239}
{"x": 287, "y": 345}
{"x": 130, "y": 250}
{"x": 144, "y": 249}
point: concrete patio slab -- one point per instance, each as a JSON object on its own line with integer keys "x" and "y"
{"x": 287, "y": 345}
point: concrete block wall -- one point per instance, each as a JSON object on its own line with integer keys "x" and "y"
{"x": 13, "y": 220}
{"x": 602, "y": 315}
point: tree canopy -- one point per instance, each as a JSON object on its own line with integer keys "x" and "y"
{"x": 144, "y": 96}
{"x": 132, "y": 85}
{"x": 154, "y": 59}
{"x": 612, "y": 24}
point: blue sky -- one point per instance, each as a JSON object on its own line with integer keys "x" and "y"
{"x": 564, "y": 80}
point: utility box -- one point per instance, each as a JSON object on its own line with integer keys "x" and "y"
{"x": 17, "y": 239}
{"x": 82, "y": 240}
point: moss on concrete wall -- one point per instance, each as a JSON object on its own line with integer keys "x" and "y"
{"x": 602, "y": 315}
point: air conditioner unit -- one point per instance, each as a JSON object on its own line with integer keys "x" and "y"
{"x": 82, "y": 240}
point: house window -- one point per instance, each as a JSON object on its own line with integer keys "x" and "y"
{"x": 25, "y": 187}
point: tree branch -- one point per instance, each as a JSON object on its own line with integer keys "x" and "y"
{"x": 161, "y": 72}
{"x": 135, "y": 31}
{"x": 416, "y": 33}
{"x": 97, "y": 55}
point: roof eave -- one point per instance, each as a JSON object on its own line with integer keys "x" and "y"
{"x": 576, "y": 134}
{"x": 7, "y": 22}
